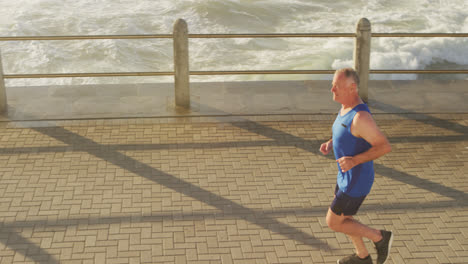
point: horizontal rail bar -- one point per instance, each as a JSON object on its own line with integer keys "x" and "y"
{"x": 129, "y": 74}
{"x": 68, "y": 75}
{"x": 277, "y": 35}
{"x": 22, "y": 38}
{"x": 326, "y": 72}
{"x": 418, "y": 71}
{"x": 420, "y": 35}
{"x": 326, "y": 35}
{"x": 137, "y": 74}
{"x": 262, "y": 72}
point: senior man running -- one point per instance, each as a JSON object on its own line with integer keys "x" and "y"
{"x": 356, "y": 142}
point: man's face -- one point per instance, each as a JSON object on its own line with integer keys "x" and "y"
{"x": 341, "y": 88}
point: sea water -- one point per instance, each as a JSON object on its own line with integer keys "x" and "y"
{"x": 122, "y": 17}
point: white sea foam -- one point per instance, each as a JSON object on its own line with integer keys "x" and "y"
{"x": 92, "y": 17}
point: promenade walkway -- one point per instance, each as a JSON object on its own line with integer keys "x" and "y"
{"x": 224, "y": 190}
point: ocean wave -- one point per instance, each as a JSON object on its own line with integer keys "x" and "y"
{"x": 86, "y": 17}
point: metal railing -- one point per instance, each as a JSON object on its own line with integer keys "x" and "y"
{"x": 250, "y": 72}
{"x": 181, "y": 71}
{"x": 276, "y": 35}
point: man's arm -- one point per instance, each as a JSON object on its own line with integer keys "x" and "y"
{"x": 364, "y": 126}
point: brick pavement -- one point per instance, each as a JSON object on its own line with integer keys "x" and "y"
{"x": 185, "y": 191}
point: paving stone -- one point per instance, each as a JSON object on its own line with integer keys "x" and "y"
{"x": 211, "y": 191}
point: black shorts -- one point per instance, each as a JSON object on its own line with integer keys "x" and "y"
{"x": 345, "y": 204}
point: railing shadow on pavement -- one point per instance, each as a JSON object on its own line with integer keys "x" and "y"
{"x": 419, "y": 117}
{"x": 80, "y": 143}
{"x": 313, "y": 147}
{"x": 24, "y": 246}
{"x": 228, "y": 209}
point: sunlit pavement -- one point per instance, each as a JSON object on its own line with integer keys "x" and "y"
{"x": 222, "y": 190}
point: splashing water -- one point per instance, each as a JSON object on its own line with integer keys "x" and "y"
{"x": 91, "y": 17}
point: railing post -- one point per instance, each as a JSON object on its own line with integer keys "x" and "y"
{"x": 3, "y": 98}
{"x": 362, "y": 56}
{"x": 181, "y": 64}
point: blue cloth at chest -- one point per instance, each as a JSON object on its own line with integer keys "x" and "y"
{"x": 358, "y": 181}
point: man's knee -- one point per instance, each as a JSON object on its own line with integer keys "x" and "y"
{"x": 334, "y": 221}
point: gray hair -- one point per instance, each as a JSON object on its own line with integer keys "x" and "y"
{"x": 350, "y": 73}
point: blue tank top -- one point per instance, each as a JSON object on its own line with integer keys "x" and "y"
{"x": 357, "y": 181}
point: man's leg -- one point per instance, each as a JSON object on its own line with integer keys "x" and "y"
{"x": 351, "y": 227}
{"x": 339, "y": 218}
{"x": 361, "y": 249}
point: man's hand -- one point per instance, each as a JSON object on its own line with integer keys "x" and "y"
{"x": 326, "y": 147}
{"x": 346, "y": 163}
